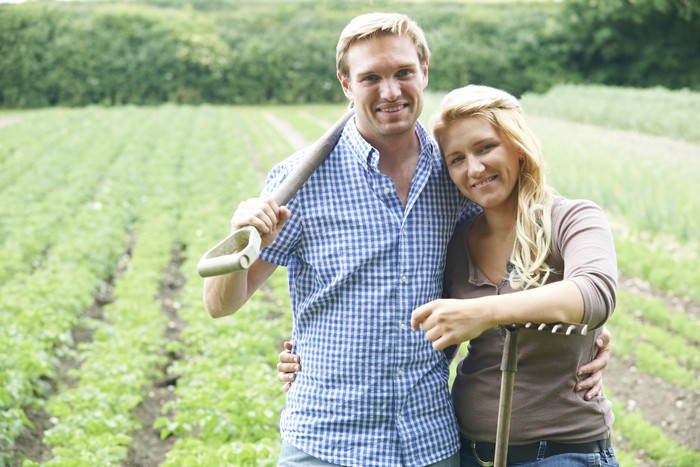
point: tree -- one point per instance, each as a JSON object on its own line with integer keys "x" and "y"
{"x": 633, "y": 42}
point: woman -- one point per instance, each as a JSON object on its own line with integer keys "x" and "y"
{"x": 557, "y": 254}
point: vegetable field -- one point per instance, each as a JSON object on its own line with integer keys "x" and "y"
{"x": 109, "y": 358}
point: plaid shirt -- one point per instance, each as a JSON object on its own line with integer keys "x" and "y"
{"x": 371, "y": 391}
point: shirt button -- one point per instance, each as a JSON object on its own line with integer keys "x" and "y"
{"x": 404, "y": 279}
{"x": 402, "y": 326}
{"x": 400, "y": 372}
{"x": 400, "y": 417}
{"x": 387, "y": 190}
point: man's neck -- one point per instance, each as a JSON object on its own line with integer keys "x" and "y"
{"x": 398, "y": 160}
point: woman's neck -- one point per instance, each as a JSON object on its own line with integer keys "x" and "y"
{"x": 500, "y": 221}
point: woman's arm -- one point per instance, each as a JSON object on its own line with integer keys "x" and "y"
{"x": 453, "y": 321}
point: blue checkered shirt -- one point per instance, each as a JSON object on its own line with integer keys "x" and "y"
{"x": 371, "y": 391}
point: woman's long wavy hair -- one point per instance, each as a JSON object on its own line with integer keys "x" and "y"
{"x": 533, "y": 229}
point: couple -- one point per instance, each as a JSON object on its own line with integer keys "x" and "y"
{"x": 365, "y": 242}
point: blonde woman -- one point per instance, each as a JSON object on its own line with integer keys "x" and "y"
{"x": 557, "y": 254}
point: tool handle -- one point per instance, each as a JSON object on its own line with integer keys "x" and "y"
{"x": 241, "y": 248}
{"x": 315, "y": 154}
{"x": 234, "y": 253}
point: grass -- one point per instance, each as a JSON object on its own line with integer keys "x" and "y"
{"x": 653, "y": 111}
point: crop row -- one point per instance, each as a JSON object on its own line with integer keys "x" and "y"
{"x": 66, "y": 178}
{"x": 228, "y": 401}
{"x": 78, "y": 245}
{"x": 644, "y": 328}
{"x": 95, "y": 418}
{"x": 641, "y": 436}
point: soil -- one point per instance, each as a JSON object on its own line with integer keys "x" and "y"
{"x": 674, "y": 410}
{"x": 147, "y": 449}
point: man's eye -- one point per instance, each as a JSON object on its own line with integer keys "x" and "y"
{"x": 405, "y": 73}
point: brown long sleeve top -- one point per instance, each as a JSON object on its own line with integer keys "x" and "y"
{"x": 545, "y": 406}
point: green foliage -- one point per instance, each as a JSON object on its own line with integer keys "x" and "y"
{"x": 640, "y": 110}
{"x": 656, "y": 350}
{"x": 638, "y": 43}
{"x": 677, "y": 274}
{"x": 641, "y": 435}
{"x": 145, "y": 52}
{"x": 629, "y": 187}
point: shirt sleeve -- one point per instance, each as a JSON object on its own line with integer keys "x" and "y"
{"x": 581, "y": 232}
{"x": 280, "y": 251}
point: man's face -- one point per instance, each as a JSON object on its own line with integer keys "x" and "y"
{"x": 386, "y": 82}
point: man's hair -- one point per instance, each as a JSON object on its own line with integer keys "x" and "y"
{"x": 373, "y": 25}
{"x": 533, "y": 229}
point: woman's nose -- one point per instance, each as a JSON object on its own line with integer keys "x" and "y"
{"x": 476, "y": 168}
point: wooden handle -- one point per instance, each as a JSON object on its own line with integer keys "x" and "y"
{"x": 240, "y": 249}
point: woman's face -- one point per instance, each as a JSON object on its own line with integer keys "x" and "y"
{"x": 482, "y": 162}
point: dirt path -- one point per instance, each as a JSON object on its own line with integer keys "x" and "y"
{"x": 147, "y": 449}
{"x": 7, "y": 121}
{"x": 673, "y": 409}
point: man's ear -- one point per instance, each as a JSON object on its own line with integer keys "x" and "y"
{"x": 345, "y": 83}
{"x": 425, "y": 71}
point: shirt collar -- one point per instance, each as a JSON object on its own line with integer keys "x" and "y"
{"x": 368, "y": 156}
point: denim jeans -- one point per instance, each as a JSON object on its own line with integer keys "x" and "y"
{"x": 290, "y": 456}
{"x": 597, "y": 459}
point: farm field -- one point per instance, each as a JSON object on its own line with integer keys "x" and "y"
{"x": 109, "y": 357}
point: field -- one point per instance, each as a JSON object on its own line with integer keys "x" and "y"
{"x": 109, "y": 358}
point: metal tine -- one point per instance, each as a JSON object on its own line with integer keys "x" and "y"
{"x": 557, "y": 328}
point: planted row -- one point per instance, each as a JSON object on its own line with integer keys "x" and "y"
{"x": 95, "y": 418}
{"x": 228, "y": 400}
{"x": 69, "y": 177}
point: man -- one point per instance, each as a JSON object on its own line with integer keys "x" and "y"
{"x": 364, "y": 243}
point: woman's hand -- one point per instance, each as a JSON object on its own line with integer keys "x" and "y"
{"x": 451, "y": 321}
{"x": 287, "y": 366}
{"x": 596, "y": 367}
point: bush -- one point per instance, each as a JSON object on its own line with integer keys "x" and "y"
{"x": 275, "y": 51}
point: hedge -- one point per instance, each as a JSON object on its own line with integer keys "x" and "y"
{"x": 277, "y": 51}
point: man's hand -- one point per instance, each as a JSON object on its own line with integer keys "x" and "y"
{"x": 287, "y": 366}
{"x": 262, "y": 213}
{"x": 596, "y": 368}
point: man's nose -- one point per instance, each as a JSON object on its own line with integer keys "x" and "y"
{"x": 391, "y": 90}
